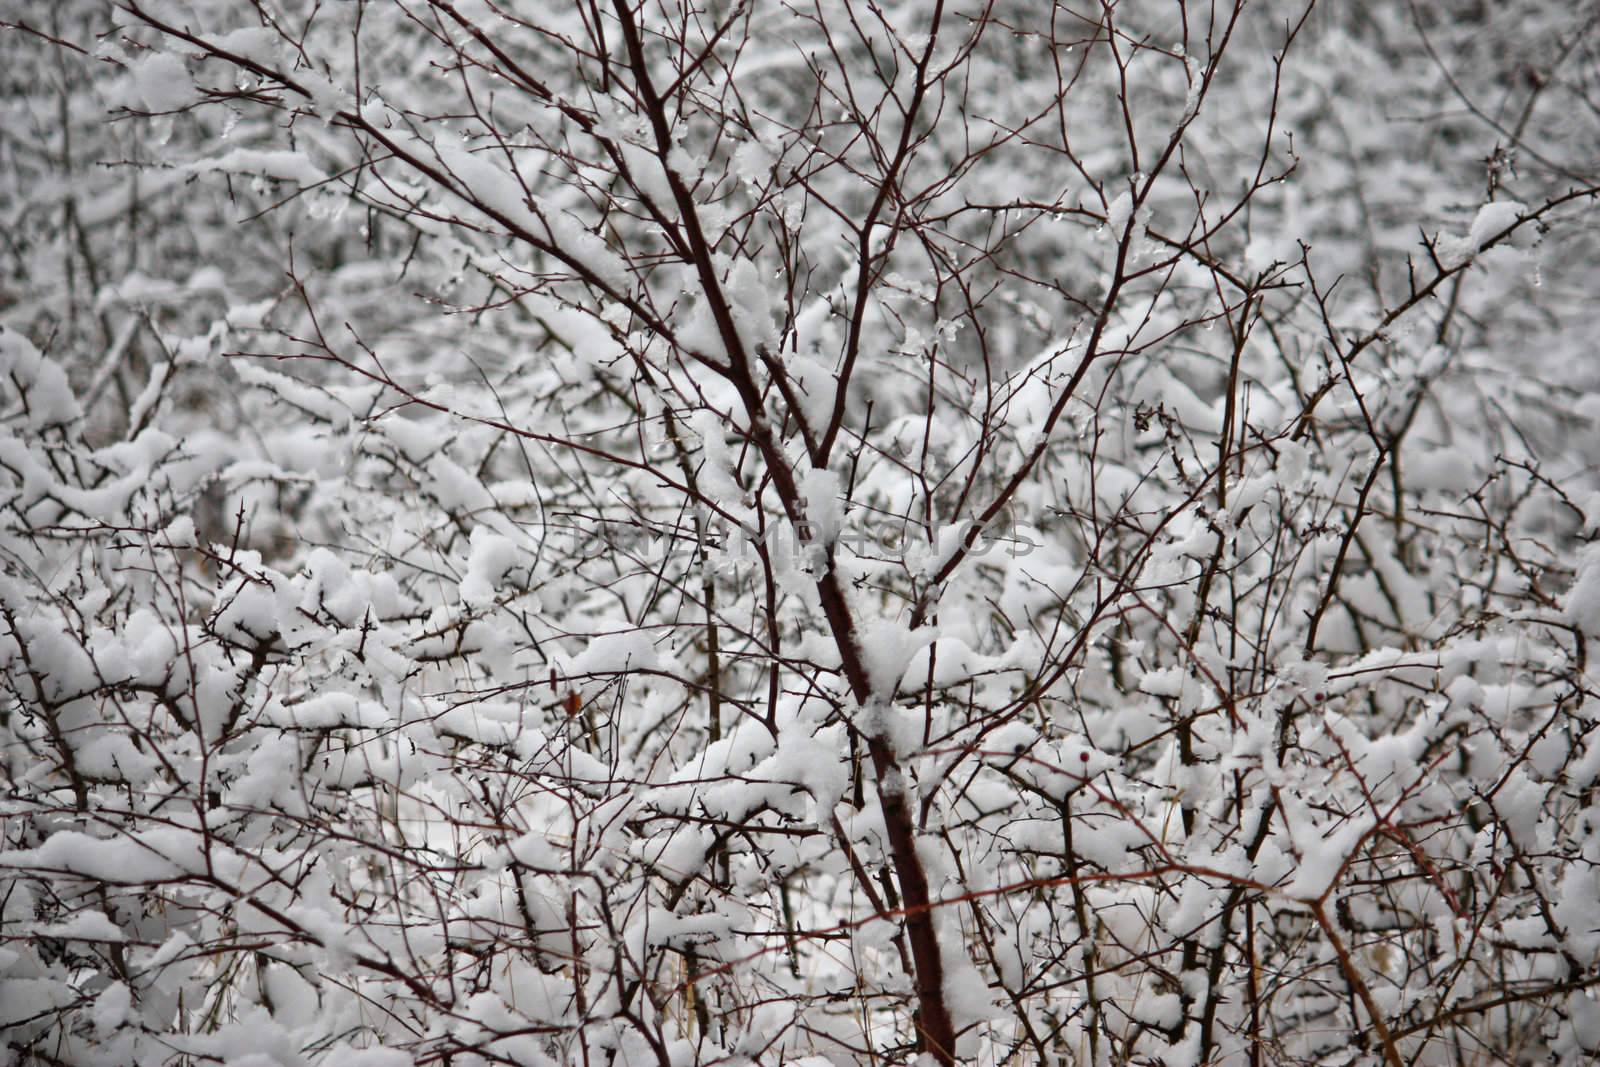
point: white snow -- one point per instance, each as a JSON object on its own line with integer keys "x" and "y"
{"x": 625, "y": 649}
{"x": 824, "y": 504}
{"x": 886, "y": 648}
{"x": 1492, "y": 219}
{"x": 112, "y": 1008}
{"x": 491, "y": 556}
{"x": 1120, "y": 211}
{"x": 46, "y": 391}
{"x": 85, "y": 926}
{"x": 283, "y": 165}
{"x": 163, "y": 82}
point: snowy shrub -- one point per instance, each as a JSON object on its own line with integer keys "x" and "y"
{"x": 650, "y": 532}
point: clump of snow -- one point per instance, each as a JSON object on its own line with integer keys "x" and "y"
{"x": 1120, "y": 211}
{"x": 328, "y": 98}
{"x": 886, "y": 650}
{"x": 327, "y": 711}
{"x": 1197, "y": 83}
{"x": 616, "y": 652}
{"x": 966, "y": 994}
{"x": 953, "y": 661}
{"x": 1166, "y": 682}
{"x": 490, "y": 557}
{"x": 753, "y": 162}
{"x": 43, "y": 384}
{"x": 813, "y": 763}
{"x": 1324, "y": 852}
{"x": 151, "y": 857}
{"x": 280, "y": 165}
{"x": 824, "y": 504}
{"x": 1492, "y": 220}
{"x": 162, "y": 82}
{"x": 750, "y": 300}
{"x": 180, "y": 533}
{"x": 1517, "y": 803}
{"x": 253, "y": 42}
{"x": 86, "y": 926}
{"x": 1583, "y": 599}
{"x": 112, "y": 1008}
